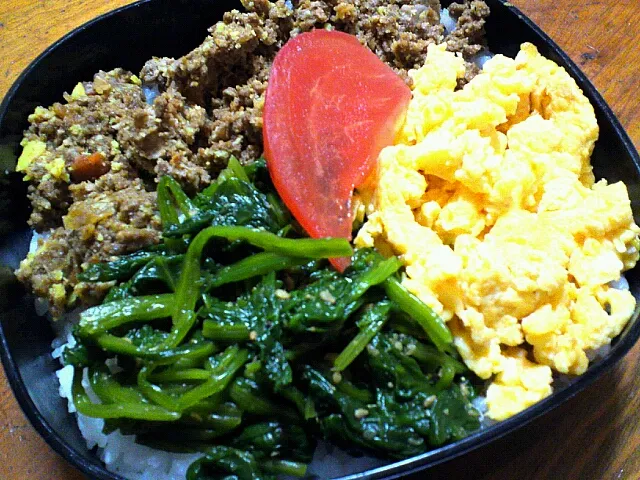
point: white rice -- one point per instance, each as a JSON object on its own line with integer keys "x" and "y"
{"x": 447, "y": 20}
{"x": 480, "y": 404}
{"x": 330, "y": 461}
{"x": 120, "y": 453}
{"x": 482, "y": 57}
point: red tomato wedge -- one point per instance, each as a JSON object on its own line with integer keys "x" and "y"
{"x": 331, "y": 106}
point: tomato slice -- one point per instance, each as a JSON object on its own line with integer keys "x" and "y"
{"x": 331, "y": 105}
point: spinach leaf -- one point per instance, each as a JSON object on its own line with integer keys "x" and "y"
{"x": 78, "y": 356}
{"x": 123, "y": 267}
{"x": 407, "y": 411}
{"x": 453, "y": 416}
{"x": 259, "y": 311}
{"x": 351, "y": 422}
{"x": 222, "y": 462}
{"x": 390, "y": 365}
{"x": 235, "y": 202}
{"x": 276, "y": 439}
{"x": 332, "y": 297}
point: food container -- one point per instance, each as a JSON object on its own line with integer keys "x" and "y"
{"x": 128, "y": 37}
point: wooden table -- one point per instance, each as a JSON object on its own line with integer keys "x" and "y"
{"x": 593, "y": 436}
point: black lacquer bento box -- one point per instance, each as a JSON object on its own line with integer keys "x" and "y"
{"x": 127, "y": 37}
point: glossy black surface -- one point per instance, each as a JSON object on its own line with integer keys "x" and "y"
{"x": 127, "y": 38}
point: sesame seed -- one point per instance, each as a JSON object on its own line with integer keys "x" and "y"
{"x": 282, "y": 294}
{"x": 464, "y": 389}
{"x": 326, "y": 296}
{"x": 429, "y": 401}
{"x": 253, "y": 335}
{"x": 361, "y": 412}
{"x": 336, "y": 377}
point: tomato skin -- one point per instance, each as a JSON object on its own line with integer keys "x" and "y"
{"x": 331, "y": 105}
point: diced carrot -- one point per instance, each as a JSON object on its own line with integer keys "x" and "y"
{"x": 89, "y": 167}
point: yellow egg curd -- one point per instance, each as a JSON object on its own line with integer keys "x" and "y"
{"x": 489, "y": 199}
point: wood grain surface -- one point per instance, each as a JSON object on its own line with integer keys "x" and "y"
{"x": 596, "y": 435}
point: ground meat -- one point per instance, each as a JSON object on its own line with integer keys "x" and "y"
{"x": 468, "y": 36}
{"x": 236, "y": 122}
{"x": 188, "y": 116}
{"x": 103, "y": 224}
{"x": 84, "y": 125}
{"x": 185, "y": 118}
{"x": 398, "y": 31}
{"x": 227, "y": 74}
{"x": 163, "y": 134}
{"x": 108, "y": 116}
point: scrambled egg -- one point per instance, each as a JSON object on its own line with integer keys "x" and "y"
{"x": 489, "y": 198}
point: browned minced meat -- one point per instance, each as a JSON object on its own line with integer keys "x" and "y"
{"x": 113, "y": 119}
{"x": 185, "y": 118}
{"x": 228, "y": 73}
{"x": 111, "y": 217}
{"x": 81, "y": 126}
{"x": 468, "y": 36}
